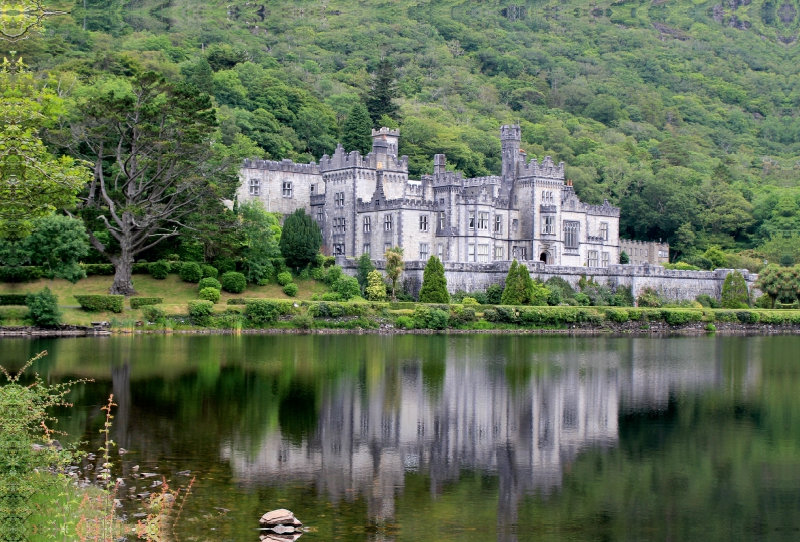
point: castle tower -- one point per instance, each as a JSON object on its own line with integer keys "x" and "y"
{"x": 510, "y": 138}
{"x": 385, "y": 141}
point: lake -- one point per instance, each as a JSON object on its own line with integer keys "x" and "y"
{"x": 451, "y": 437}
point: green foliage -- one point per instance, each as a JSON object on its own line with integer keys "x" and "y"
{"x": 780, "y": 283}
{"x": 98, "y": 302}
{"x": 709, "y": 302}
{"x": 159, "y": 269}
{"x": 404, "y": 322}
{"x": 365, "y": 267}
{"x": 716, "y": 256}
{"x": 284, "y": 278}
{"x": 154, "y": 314}
{"x": 104, "y": 269}
{"x": 494, "y": 294}
{"x": 376, "y": 287}
{"x": 260, "y": 311}
{"x": 681, "y": 266}
{"x": 209, "y": 271}
{"x": 138, "y": 302}
{"x": 191, "y": 272}
{"x": 434, "y": 284}
{"x": 43, "y": 308}
{"x": 233, "y": 282}
{"x": 514, "y": 291}
{"x": 734, "y": 292}
{"x": 624, "y": 258}
{"x": 677, "y": 317}
{"x": 290, "y": 289}
{"x": 303, "y": 321}
{"x": 300, "y": 240}
{"x": 649, "y": 298}
{"x": 224, "y": 265}
{"x": 430, "y": 318}
{"x": 469, "y": 301}
{"x": 200, "y": 312}
{"x": 209, "y": 283}
{"x": 623, "y": 297}
{"x": 261, "y": 233}
{"x": 346, "y": 287}
{"x": 357, "y": 130}
{"x": 380, "y": 100}
{"x": 394, "y": 267}
{"x": 209, "y": 294}
{"x": 12, "y": 299}
{"x": 20, "y": 274}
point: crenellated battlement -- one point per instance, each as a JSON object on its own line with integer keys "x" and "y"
{"x": 547, "y": 168}
{"x": 606, "y": 209}
{"x": 284, "y": 165}
{"x": 397, "y": 203}
{"x": 354, "y": 159}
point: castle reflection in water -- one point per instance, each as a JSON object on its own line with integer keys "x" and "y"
{"x": 525, "y": 430}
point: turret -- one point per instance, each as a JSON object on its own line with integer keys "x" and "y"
{"x": 439, "y": 163}
{"x": 385, "y": 141}
{"x": 510, "y": 138}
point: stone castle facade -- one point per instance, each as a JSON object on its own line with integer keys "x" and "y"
{"x": 368, "y": 204}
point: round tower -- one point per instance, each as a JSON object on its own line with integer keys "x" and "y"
{"x": 510, "y": 137}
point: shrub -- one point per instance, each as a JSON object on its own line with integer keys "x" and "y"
{"x": 290, "y": 289}
{"x": 623, "y": 297}
{"x": 200, "y": 311}
{"x": 331, "y": 296}
{"x": 734, "y": 292}
{"x": 711, "y": 327}
{"x": 153, "y": 314}
{"x": 747, "y": 317}
{"x": 284, "y": 278}
{"x": 763, "y": 302}
{"x": 209, "y": 294}
{"x": 462, "y": 315}
{"x": 493, "y": 294}
{"x": 94, "y": 303}
{"x": 404, "y": 322}
{"x": 13, "y": 299}
{"x": 303, "y": 321}
{"x": 138, "y": 302}
{"x": 159, "y": 270}
{"x": 709, "y": 302}
{"x": 99, "y": 268}
{"x": 43, "y": 308}
{"x": 617, "y": 315}
{"x": 209, "y": 271}
{"x": 225, "y": 265}
{"x": 649, "y": 298}
{"x": 469, "y": 301}
{"x": 233, "y": 282}
{"x": 20, "y": 273}
{"x": 140, "y": 268}
{"x": 582, "y": 299}
{"x": 677, "y": 317}
{"x": 347, "y": 287}
{"x": 209, "y": 282}
{"x": 261, "y": 311}
{"x": 191, "y": 272}
{"x": 376, "y": 287}
{"x": 333, "y": 274}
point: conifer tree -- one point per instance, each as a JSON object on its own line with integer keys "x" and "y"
{"x": 514, "y": 292}
{"x": 394, "y": 267}
{"x": 734, "y": 292}
{"x": 357, "y": 130}
{"x": 300, "y": 239}
{"x": 379, "y": 101}
{"x": 434, "y": 283}
{"x": 365, "y": 267}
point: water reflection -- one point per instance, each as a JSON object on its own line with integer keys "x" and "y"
{"x": 519, "y": 432}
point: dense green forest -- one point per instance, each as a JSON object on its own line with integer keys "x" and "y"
{"x": 684, "y": 113}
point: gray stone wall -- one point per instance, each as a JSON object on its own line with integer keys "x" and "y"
{"x": 671, "y": 284}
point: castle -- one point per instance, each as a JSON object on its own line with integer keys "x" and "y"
{"x": 368, "y": 204}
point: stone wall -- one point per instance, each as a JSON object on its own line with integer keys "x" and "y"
{"x": 671, "y": 284}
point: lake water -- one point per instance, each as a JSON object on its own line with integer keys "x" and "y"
{"x": 467, "y": 437}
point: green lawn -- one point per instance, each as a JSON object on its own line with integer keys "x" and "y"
{"x": 175, "y": 292}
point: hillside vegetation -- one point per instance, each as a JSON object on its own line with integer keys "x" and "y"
{"x": 684, "y": 113}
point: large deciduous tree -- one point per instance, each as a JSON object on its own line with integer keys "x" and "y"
{"x": 301, "y": 239}
{"x": 150, "y": 143}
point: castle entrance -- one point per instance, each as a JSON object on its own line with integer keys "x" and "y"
{"x": 546, "y": 258}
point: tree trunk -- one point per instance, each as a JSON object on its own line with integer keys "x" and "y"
{"x": 123, "y": 268}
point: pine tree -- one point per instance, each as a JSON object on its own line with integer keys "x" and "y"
{"x": 357, "y": 130}
{"x": 514, "y": 292}
{"x": 200, "y": 75}
{"x": 734, "y": 292}
{"x": 434, "y": 283}
{"x": 365, "y": 267}
{"x": 379, "y": 101}
{"x": 300, "y": 239}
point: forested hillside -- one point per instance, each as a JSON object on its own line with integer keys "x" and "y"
{"x": 684, "y": 113}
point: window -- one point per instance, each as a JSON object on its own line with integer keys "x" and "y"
{"x": 604, "y": 230}
{"x": 366, "y": 249}
{"x": 440, "y": 251}
{"x": 548, "y": 197}
{"x": 367, "y": 224}
{"x": 646, "y": 252}
{"x": 498, "y": 253}
{"x": 605, "y": 259}
{"x": 313, "y": 189}
{"x": 592, "y": 258}
{"x": 483, "y": 253}
{"x": 387, "y": 247}
{"x": 483, "y": 221}
{"x": 520, "y": 253}
{"x": 472, "y": 220}
{"x": 571, "y": 230}
{"x": 338, "y": 249}
{"x": 471, "y": 252}
{"x": 441, "y": 220}
{"x": 423, "y": 251}
{"x": 423, "y": 222}
{"x": 548, "y": 225}
{"x": 338, "y": 199}
{"x": 287, "y": 189}
{"x": 498, "y": 223}
{"x": 339, "y": 225}
{"x": 319, "y": 215}
{"x": 514, "y": 224}
{"x": 255, "y": 187}
{"x": 387, "y": 223}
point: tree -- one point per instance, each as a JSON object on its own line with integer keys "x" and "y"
{"x": 33, "y": 183}
{"x": 434, "y": 283}
{"x": 380, "y": 99}
{"x": 43, "y": 308}
{"x": 149, "y": 142}
{"x": 624, "y": 258}
{"x": 376, "y": 287}
{"x": 357, "y": 130}
{"x": 515, "y": 291}
{"x": 394, "y": 267}
{"x": 365, "y": 267}
{"x": 56, "y": 243}
{"x": 734, "y": 292}
{"x": 300, "y": 239}
{"x": 261, "y": 232}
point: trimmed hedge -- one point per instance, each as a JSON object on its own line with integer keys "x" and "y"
{"x": 159, "y": 270}
{"x": 20, "y": 274}
{"x": 98, "y": 268}
{"x": 677, "y": 317}
{"x": 153, "y": 314}
{"x": 138, "y": 302}
{"x": 191, "y": 272}
{"x": 140, "y": 268}
{"x": 13, "y": 299}
{"x": 209, "y": 282}
{"x": 328, "y": 309}
{"x": 209, "y": 294}
{"x": 94, "y": 303}
{"x": 233, "y": 282}
{"x": 209, "y": 271}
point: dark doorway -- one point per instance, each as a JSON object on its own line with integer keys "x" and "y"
{"x": 545, "y": 257}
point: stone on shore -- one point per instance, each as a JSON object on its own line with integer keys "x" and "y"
{"x": 280, "y": 517}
